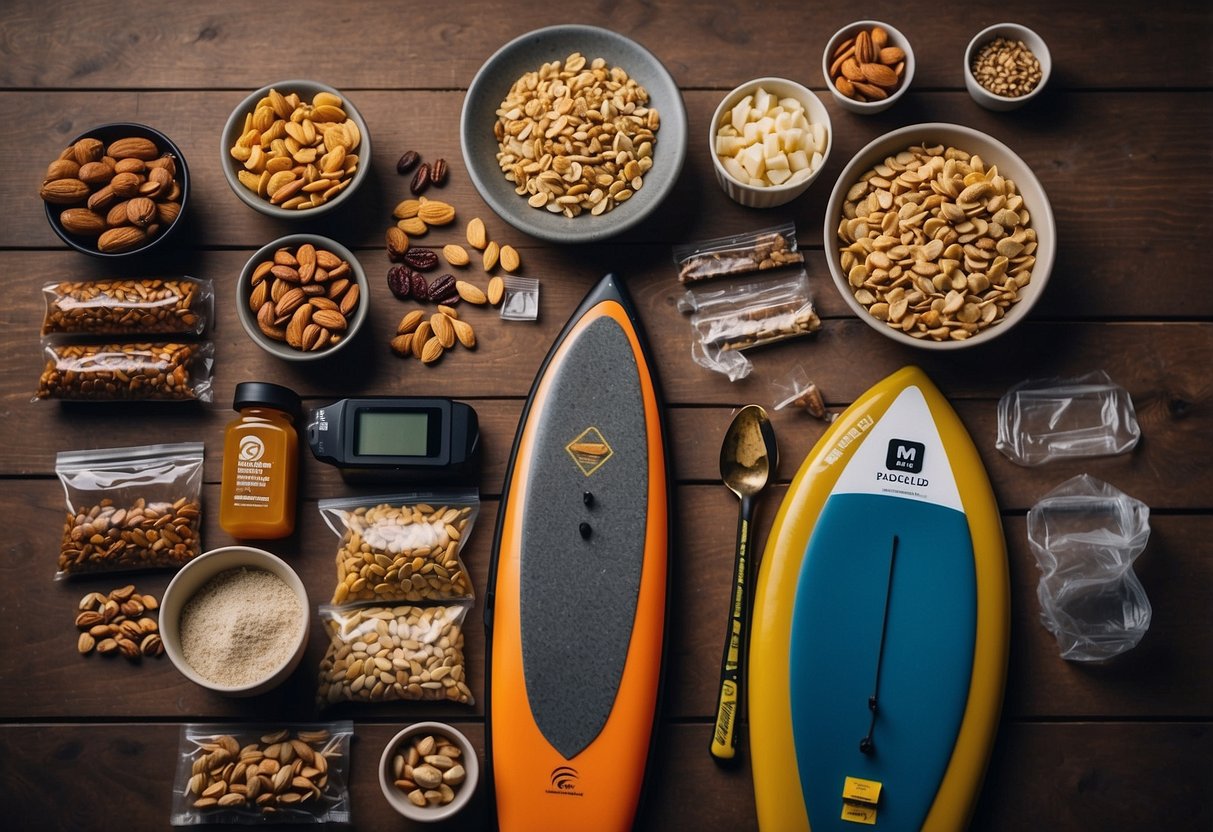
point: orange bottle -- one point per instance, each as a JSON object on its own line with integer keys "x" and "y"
{"x": 260, "y": 463}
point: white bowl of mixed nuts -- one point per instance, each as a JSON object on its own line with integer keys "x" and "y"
{"x": 295, "y": 149}
{"x": 1006, "y": 66}
{"x": 573, "y": 134}
{"x": 302, "y": 297}
{"x": 939, "y": 236}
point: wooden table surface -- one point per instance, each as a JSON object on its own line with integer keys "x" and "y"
{"x": 1121, "y": 141}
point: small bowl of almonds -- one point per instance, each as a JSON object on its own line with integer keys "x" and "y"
{"x": 302, "y": 297}
{"x": 1006, "y": 66}
{"x": 867, "y": 65}
{"x": 116, "y": 190}
{"x": 428, "y": 772}
{"x": 295, "y": 149}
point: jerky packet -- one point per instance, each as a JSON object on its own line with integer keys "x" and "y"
{"x": 767, "y": 248}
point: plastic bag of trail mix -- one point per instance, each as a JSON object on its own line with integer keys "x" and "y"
{"x": 135, "y": 306}
{"x": 256, "y": 774}
{"x": 130, "y": 508}
{"x": 767, "y": 248}
{"x": 386, "y": 654}
{"x": 162, "y": 371}
{"x": 402, "y": 547}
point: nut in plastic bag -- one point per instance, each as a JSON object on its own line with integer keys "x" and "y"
{"x": 258, "y": 774}
{"x": 767, "y": 248}
{"x": 166, "y": 371}
{"x": 1041, "y": 421}
{"x": 141, "y": 306}
{"x": 1085, "y": 535}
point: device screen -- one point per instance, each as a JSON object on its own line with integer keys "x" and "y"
{"x": 392, "y": 433}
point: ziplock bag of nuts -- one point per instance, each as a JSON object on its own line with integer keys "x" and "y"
{"x": 1066, "y": 418}
{"x": 1085, "y": 535}
{"x": 167, "y": 371}
{"x": 257, "y": 774}
{"x": 767, "y": 248}
{"x": 385, "y": 654}
{"x": 170, "y": 306}
{"x": 403, "y": 547}
{"x": 130, "y": 508}
{"x": 729, "y": 319}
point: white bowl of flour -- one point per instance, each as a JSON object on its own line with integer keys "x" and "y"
{"x": 235, "y": 620}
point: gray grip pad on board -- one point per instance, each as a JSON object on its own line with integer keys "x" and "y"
{"x": 579, "y": 593}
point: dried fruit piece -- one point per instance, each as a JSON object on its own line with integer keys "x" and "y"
{"x": 399, "y": 280}
{"x": 421, "y": 180}
{"x": 438, "y": 172}
{"x": 407, "y": 161}
{"x": 418, "y": 286}
{"x": 421, "y": 259}
{"x": 440, "y": 288}
{"x": 455, "y": 254}
{"x": 477, "y": 235}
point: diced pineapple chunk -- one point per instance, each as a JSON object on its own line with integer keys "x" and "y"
{"x": 765, "y": 140}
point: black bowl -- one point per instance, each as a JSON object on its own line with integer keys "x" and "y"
{"x": 108, "y": 133}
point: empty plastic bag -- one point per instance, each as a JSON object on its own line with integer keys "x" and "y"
{"x": 1085, "y": 535}
{"x": 1057, "y": 418}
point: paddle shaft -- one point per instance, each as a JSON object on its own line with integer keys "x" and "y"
{"x": 732, "y": 663}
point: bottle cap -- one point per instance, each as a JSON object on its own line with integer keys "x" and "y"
{"x": 253, "y": 393}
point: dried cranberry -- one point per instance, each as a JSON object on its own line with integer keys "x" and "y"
{"x": 442, "y": 287}
{"x": 418, "y": 286}
{"x": 399, "y": 280}
{"x": 421, "y": 259}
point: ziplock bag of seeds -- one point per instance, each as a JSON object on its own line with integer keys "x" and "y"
{"x": 268, "y": 773}
{"x": 402, "y": 547}
{"x": 1066, "y": 418}
{"x": 164, "y": 371}
{"x": 767, "y": 248}
{"x": 386, "y": 654}
{"x": 130, "y": 508}
{"x": 143, "y": 306}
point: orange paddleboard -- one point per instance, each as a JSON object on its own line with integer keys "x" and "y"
{"x": 577, "y": 596}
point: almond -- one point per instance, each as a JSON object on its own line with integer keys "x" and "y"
{"x": 851, "y": 70}
{"x": 88, "y": 150}
{"x": 121, "y": 239}
{"x": 510, "y": 261}
{"x": 420, "y": 337}
{"x": 402, "y": 345}
{"x": 102, "y": 199}
{"x": 129, "y": 166}
{"x": 141, "y": 211}
{"x": 349, "y": 301}
{"x": 491, "y": 252}
{"x": 476, "y": 234}
{"x": 167, "y": 212}
{"x": 116, "y": 215}
{"x": 299, "y": 322}
{"x": 464, "y": 332}
{"x": 126, "y": 184}
{"x": 397, "y": 242}
{"x": 433, "y": 212}
{"x": 289, "y": 302}
{"x": 406, "y": 209}
{"x": 879, "y": 74}
{"x": 329, "y": 319}
{"x": 880, "y": 38}
{"x": 82, "y": 221}
{"x": 455, "y": 254}
{"x": 64, "y": 191}
{"x": 326, "y": 260}
{"x": 470, "y": 292}
{"x": 891, "y": 56}
{"x": 870, "y": 90}
{"x": 443, "y": 330}
{"x": 311, "y": 336}
{"x": 61, "y": 169}
{"x": 258, "y": 296}
{"x": 133, "y": 148}
{"x": 95, "y": 174}
{"x": 496, "y": 290}
{"x": 413, "y": 226}
{"x": 410, "y": 322}
{"x": 863, "y": 48}
{"x": 432, "y": 351}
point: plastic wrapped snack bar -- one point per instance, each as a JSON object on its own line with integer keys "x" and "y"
{"x": 386, "y": 654}
{"x": 130, "y": 508}
{"x": 767, "y": 248}
{"x": 263, "y": 774}
{"x": 729, "y": 319}
{"x": 1085, "y": 535}
{"x": 168, "y": 371}
{"x": 145, "y": 306}
{"x": 1050, "y": 419}
{"x": 403, "y": 547}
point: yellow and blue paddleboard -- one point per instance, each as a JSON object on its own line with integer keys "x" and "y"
{"x": 881, "y": 624}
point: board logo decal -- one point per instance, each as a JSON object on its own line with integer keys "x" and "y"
{"x": 589, "y": 450}
{"x": 564, "y": 782}
{"x": 905, "y": 455}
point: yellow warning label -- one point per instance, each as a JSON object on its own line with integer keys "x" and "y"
{"x": 589, "y": 450}
{"x": 858, "y": 813}
{"x": 864, "y": 791}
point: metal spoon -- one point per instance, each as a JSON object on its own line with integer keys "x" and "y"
{"x": 748, "y": 458}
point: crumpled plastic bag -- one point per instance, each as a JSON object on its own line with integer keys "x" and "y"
{"x": 1085, "y": 535}
{"x": 1066, "y": 418}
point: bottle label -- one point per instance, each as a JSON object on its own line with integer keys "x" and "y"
{"x": 252, "y": 474}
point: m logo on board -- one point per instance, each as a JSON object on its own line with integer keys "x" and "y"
{"x": 905, "y": 455}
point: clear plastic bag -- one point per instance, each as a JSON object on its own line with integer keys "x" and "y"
{"x": 137, "y": 306}
{"x": 258, "y": 774}
{"x": 385, "y": 654}
{"x": 1044, "y": 420}
{"x": 1085, "y": 535}
{"x": 167, "y": 371}
{"x": 402, "y": 547}
{"x": 767, "y": 248}
{"x": 730, "y": 319}
{"x": 520, "y": 299}
{"x": 798, "y": 390}
{"x": 130, "y": 508}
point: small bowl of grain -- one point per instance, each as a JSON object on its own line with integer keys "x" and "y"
{"x": 235, "y": 620}
{"x": 867, "y": 65}
{"x": 1006, "y": 66}
{"x": 429, "y": 771}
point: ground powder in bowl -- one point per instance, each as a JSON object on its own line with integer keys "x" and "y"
{"x": 240, "y": 626}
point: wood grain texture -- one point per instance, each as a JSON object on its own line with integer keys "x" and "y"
{"x": 1122, "y": 142}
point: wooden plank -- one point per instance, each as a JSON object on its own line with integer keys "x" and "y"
{"x": 1114, "y": 236}
{"x": 1166, "y": 675}
{"x": 210, "y": 44}
{"x": 1067, "y": 777}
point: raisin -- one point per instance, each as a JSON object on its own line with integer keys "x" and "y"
{"x": 399, "y": 281}
{"x": 418, "y": 286}
{"x": 421, "y": 179}
{"x": 442, "y": 287}
{"x": 421, "y": 259}
{"x": 407, "y": 162}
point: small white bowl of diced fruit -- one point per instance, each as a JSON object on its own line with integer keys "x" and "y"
{"x": 769, "y": 139}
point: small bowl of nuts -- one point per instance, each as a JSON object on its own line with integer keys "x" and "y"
{"x": 939, "y": 236}
{"x": 116, "y": 190}
{"x": 769, "y": 138}
{"x": 302, "y": 297}
{"x": 428, "y": 771}
{"x": 867, "y": 65}
{"x": 295, "y": 149}
{"x": 1006, "y": 66}
{"x": 573, "y": 134}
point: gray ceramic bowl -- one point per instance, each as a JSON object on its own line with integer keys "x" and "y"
{"x": 234, "y": 128}
{"x": 398, "y": 799}
{"x": 526, "y": 54}
{"x": 248, "y": 318}
{"x": 992, "y": 152}
{"x": 193, "y": 576}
